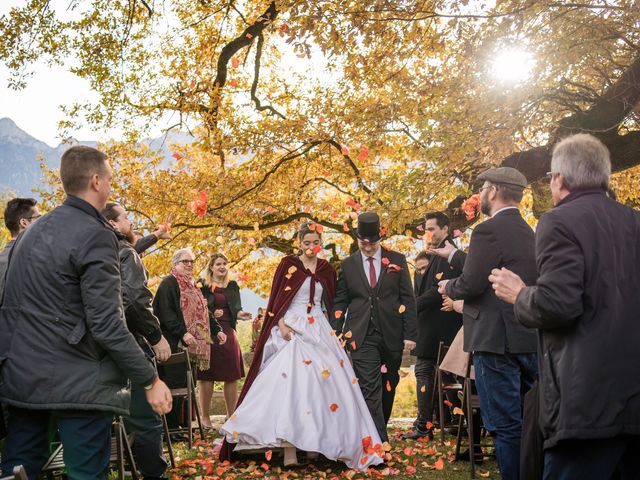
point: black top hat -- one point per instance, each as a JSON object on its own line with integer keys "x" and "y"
{"x": 368, "y": 227}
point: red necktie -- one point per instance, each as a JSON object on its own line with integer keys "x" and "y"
{"x": 372, "y": 273}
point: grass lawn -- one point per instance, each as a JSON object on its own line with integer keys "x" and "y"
{"x": 407, "y": 459}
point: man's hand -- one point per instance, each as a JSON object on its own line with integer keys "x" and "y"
{"x": 162, "y": 232}
{"x": 162, "y": 350}
{"x": 441, "y": 287}
{"x": 506, "y": 284}
{"x": 447, "y": 304}
{"x": 188, "y": 339}
{"x": 222, "y": 338}
{"x": 409, "y": 344}
{"x": 159, "y": 398}
{"x": 443, "y": 252}
{"x": 218, "y": 313}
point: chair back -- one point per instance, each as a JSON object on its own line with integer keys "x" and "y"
{"x": 19, "y": 473}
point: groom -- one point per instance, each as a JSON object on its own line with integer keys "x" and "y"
{"x": 375, "y": 295}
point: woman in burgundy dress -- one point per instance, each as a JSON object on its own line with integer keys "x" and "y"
{"x": 223, "y": 297}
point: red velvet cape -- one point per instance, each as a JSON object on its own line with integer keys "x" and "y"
{"x": 279, "y": 301}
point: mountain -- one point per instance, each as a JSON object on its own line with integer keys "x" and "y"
{"x": 20, "y": 153}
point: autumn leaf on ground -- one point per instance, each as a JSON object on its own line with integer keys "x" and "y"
{"x": 439, "y": 464}
{"x": 410, "y": 470}
{"x": 408, "y": 451}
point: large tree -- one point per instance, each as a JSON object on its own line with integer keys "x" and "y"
{"x": 316, "y": 109}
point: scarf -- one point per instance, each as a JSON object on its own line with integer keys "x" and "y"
{"x": 195, "y": 312}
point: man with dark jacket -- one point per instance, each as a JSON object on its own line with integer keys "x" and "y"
{"x": 18, "y": 215}
{"x": 434, "y": 324}
{"x": 586, "y": 306}
{"x": 65, "y": 351}
{"x": 374, "y": 291}
{"x": 142, "y": 421}
{"x": 503, "y": 350}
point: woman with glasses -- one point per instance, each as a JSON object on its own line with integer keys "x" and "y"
{"x": 223, "y": 297}
{"x": 184, "y": 319}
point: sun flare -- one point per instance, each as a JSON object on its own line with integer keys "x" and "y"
{"x": 512, "y": 65}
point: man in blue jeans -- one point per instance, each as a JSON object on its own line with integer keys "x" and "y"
{"x": 503, "y": 350}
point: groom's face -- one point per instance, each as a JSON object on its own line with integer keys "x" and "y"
{"x": 368, "y": 248}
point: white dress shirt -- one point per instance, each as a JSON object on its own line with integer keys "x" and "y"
{"x": 377, "y": 264}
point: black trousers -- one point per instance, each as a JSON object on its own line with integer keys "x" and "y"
{"x": 146, "y": 426}
{"x": 425, "y": 380}
{"x": 378, "y": 389}
{"x": 85, "y": 435}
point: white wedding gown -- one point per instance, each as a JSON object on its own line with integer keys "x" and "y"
{"x": 306, "y": 393}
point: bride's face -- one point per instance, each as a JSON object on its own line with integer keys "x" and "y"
{"x": 311, "y": 245}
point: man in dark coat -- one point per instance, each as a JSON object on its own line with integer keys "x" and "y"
{"x": 586, "y": 306}
{"x": 503, "y": 350}
{"x": 434, "y": 324}
{"x": 65, "y": 351}
{"x": 142, "y": 421}
{"x": 374, "y": 291}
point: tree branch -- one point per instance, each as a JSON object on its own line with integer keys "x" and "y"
{"x": 256, "y": 76}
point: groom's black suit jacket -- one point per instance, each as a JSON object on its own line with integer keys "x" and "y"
{"x": 380, "y": 306}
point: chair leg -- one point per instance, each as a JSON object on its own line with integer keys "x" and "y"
{"x": 129, "y": 453}
{"x": 440, "y": 405}
{"x": 119, "y": 449}
{"x": 460, "y": 421}
{"x": 167, "y": 437}
{"x": 469, "y": 415}
{"x": 189, "y": 408}
{"x": 198, "y": 416}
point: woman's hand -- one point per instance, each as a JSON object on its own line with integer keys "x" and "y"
{"x": 218, "y": 313}
{"x": 222, "y": 338}
{"x": 285, "y": 330}
{"x": 188, "y": 339}
{"x": 242, "y": 315}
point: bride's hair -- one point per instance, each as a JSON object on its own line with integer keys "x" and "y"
{"x": 305, "y": 228}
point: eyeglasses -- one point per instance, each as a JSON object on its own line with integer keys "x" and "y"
{"x": 34, "y": 217}
{"x": 187, "y": 262}
{"x": 485, "y": 188}
{"x": 550, "y": 175}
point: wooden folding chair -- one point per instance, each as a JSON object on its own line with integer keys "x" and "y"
{"x": 189, "y": 393}
{"x": 19, "y": 473}
{"x": 443, "y": 387}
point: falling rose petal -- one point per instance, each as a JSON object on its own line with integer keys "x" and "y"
{"x": 284, "y": 375}
{"x": 321, "y": 119}
{"x": 388, "y": 386}
{"x": 243, "y": 278}
{"x": 345, "y": 227}
{"x": 270, "y": 209}
{"x": 235, "y": 435}
{"x": 448, "y": 403}
{"x": 420, "y": 228}
{"x": 344, "y": 150}
{"x": 233, "y": 82}
{"x": 287, "y": 288}
{"x": 311, "y": 320}
{"x": 353, "y": 215}
{"x": 423, "y": 389}
{"x": 429, "y": 425}
{"x": 292, "y": 269}
{"x": 249, "y": 36}
{"x": 319, "y": 228}
{"x": 268, "y": 455}
{"x": 333, "y": 407}
{"x": 235, "y": 62}
{"x": 219, "y": 239}
{"x": 288, "y": 276}
{"x": 176, "y": 155}
{"x": 325, "y": 373}
{"x": 354, "y": 380}
{"x": 439, "y": 276}
{"x": 366, "y": 443}
{"x": 364, "y": 154}
{"x": 385, "y": 261}
{"x": 348, "y": 334}
{"x": 233, "y": 417}
{"x": 383, "y": 231}
{"x": 364, "y": 460}
{"x": 457, "y": 233}
{"x": 383, "y": 369}
{"x": 316, "y": 249}
{"x": 353, "y": 344}
{"x": 307, "y": 362}
{"x": 439, "y": 464}
{"x": 312, "y": 227}
{"x": 458, "y": 411}
{"x": 341, "y": 363}
{"x": 338, "y": 313}
{"x": 307, "y": 209}
{"x": 402, "y": 309}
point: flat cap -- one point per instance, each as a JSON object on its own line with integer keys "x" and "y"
{"x": 504, "y": 176}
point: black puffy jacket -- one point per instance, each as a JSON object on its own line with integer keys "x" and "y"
{"x": 64, "y": 343}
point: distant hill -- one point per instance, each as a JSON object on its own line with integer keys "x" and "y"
{"x": 20, "y": 153}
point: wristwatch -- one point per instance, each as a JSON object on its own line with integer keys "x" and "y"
{"x": 153, "y": 382}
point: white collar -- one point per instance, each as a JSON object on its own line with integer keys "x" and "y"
{"x": 376, "y": 256}
{"x": 502, "y": 210}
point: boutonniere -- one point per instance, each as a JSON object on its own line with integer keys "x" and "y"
{"x": 390, "y": 267}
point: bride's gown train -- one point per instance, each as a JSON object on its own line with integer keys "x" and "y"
{"x": 306, "y": 393}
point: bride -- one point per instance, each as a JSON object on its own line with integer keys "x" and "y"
{"x": 301, "y": 391}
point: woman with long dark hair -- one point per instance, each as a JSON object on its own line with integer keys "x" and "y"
{"x": 301, "y": 391}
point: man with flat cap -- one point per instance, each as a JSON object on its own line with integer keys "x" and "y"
{"x": 375, "y": 311}
{"x": 504, "y": 355}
